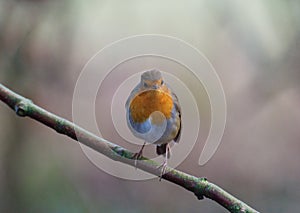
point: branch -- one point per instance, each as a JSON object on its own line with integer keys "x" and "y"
{"x": 201, "y": 187}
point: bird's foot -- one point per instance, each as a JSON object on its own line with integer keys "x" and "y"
{"x": 165, "y": 163}
{"x": 163, "y": 168}
{"x": 137, "y": 156}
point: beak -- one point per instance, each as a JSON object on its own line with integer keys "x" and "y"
{"x": 155, "y": 86}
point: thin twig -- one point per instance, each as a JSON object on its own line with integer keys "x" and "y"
{"x": 201, "y": 187}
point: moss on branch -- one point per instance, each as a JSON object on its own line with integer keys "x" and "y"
{"x": 201, "y": 187}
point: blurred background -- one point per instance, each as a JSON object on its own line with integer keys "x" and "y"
{"x": 255, "y": 49}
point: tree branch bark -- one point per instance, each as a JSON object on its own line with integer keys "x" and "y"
{"x": 201, "y": 187}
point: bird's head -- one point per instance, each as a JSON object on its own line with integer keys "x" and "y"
{"x": 152, "y": 80}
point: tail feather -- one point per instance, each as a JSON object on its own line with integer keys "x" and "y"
{"x": 162, "y": 149}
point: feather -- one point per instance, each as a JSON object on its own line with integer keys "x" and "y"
{"x": 162, "y": 149}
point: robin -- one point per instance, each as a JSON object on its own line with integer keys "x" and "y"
{"x": 153, "y": 114}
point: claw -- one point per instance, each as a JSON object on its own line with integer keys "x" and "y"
{"x": 163, "y": 170}
{"x": 138, "y": 155}
{"x": 165, "y": 163}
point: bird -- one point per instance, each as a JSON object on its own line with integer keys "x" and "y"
{"x": 153, "y": 114}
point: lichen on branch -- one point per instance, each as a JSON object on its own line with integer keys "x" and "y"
{"x": 201, "y": 187}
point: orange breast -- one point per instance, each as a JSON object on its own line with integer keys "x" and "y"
{"x": 148, "y": 102}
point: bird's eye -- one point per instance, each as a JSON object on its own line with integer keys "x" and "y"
{"x": 162, "y": 82}
{"x": 145, "y": 84}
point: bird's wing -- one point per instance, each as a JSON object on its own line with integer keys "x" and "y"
{"x": 178, "y": 109}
